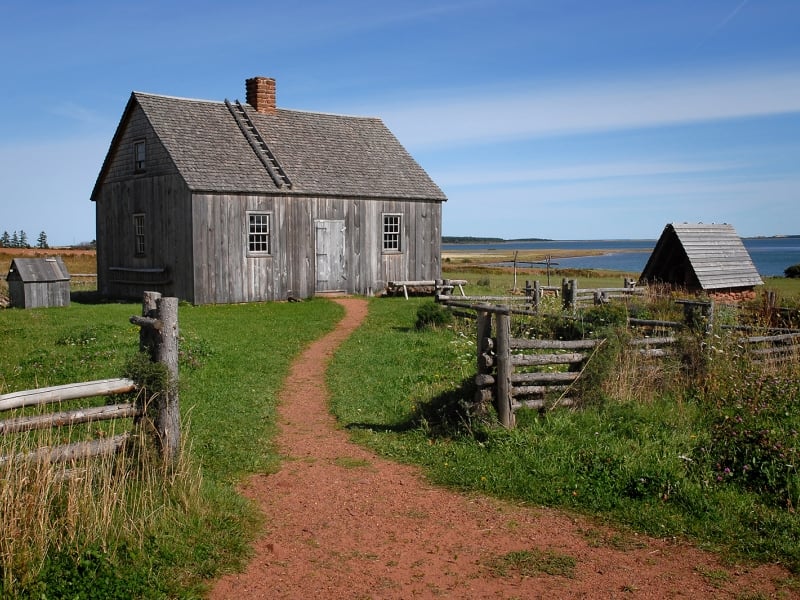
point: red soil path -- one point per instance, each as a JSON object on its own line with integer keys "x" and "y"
{"x": 345, "y": 523}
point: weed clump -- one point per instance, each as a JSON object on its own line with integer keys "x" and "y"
{"x": 433, "y": 315}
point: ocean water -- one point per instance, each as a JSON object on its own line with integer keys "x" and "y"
{"x": 770, "y": 255}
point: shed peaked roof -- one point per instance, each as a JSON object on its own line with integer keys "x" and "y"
{"x": 322, "y": 154}
{"x": 38, "y": 270}
{"x": 712, "y": 257}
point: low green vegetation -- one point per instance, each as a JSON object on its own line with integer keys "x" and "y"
{"x": 125, "y": 528}
{"x": 707, "y": 450}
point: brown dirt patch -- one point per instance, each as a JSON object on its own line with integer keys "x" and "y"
{"x": 345, "y": 523}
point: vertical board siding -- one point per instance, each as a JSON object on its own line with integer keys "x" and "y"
{"x": 202, "y": 241}
{"x": 164, "y": 200}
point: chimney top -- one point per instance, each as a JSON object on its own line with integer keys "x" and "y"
{"x": 261, "y": 94}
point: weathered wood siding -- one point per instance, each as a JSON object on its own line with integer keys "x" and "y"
{"x": 223, "y": 271}
{"x": 38, "y": 294}
{"x": 163, "y": 197}
{"x": 166, "y": 265}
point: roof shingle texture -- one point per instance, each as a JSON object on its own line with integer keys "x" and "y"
{"x": 322, "y": 154}
{"x": 716, "y": 254}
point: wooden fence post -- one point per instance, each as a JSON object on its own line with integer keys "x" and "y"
{"x": 168, "y": 418}
{"x": 159, "y": 339}
{"x": 504, "y": 411}
{"x": 569, "y": 291}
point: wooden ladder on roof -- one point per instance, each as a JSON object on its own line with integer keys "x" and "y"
{"x": 258, "y": 144}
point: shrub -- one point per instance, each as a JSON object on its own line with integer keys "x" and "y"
{"x": 433, "y": 315}
{"x": 754, "y": 438}
{"x": 793, "y": 271}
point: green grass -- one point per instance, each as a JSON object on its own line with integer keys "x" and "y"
{"x": 233, "y": 362}
{"x": 657, "y": 467}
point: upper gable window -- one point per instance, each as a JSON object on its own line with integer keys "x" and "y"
{"x": 391, "y": 232}
{"x": 258, "y": 233}
{"x": 139, "y": 156}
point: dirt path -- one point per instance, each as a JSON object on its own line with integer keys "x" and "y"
{"x": 344, "y": 523}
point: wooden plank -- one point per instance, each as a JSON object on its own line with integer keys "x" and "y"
{"x": 72, "y": 417}
{"x": 540, "y": 404}
{"x": 527, "y": 360}
{"x": 543, "y": 377}
{"x": 62, "y": 393}
{"x": 536, "y": 390}
{"x": 520, "y": 344}
{"x": 69, "y": 452}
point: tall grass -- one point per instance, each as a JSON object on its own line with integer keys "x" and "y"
{"x": 126, "y": 527}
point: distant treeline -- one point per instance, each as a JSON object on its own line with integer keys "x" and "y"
{"x": 449, "y": 239}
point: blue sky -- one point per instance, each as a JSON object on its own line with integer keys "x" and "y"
{"x": 558, "y": 119}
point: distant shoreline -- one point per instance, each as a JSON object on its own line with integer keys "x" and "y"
{"x": 449, "y": 239}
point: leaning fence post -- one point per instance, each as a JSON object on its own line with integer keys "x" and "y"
{"x": 504, "y": 411}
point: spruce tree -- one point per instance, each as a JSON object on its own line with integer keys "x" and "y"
{"x": 23, "y": 240}
{"x": 5, "y": 240}
{"x": 41, "y": 242}
{"x": 15, "y": 239}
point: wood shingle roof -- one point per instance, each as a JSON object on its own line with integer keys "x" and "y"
{"x": 322, "y": 154}
{"x": 711, "y": 257}
{"x": 38, "y": 270}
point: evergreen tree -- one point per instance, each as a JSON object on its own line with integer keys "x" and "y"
{"x": 15, "y": 239}
{"x": 23, "y": 240}
{"x": 42, "y": 241}
{"x": 5, "y": 240}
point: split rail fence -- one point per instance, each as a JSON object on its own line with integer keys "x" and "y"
{"x": 517, "y": 373}
{"x": 159, "y": 338}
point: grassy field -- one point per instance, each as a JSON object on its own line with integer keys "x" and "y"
{"x": 169, "y": 535}
{"x": 713, "y": 461}
{"x": 655, "y": 465}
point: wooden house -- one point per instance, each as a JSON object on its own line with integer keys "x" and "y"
{"x": 221, "y": 202}
{"x": 700, "y": 258}
{"x": 38, "y": 282}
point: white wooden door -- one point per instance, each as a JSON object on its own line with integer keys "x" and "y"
{"x": 331, "y": 263}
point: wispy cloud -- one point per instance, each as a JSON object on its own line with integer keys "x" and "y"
{"x": 487, "y": 114}
{"x": 472, "y": 176}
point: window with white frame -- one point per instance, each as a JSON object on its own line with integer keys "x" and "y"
{"x": 139, "y": 156}
{"x": 392, "y": 226}
{"x": 258, "y": 233}
{"x": 138, "y": 234}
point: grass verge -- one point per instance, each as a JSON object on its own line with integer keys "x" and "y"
{"x": 669, "y": 466}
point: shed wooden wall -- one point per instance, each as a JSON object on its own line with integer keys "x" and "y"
{"x": 38, "y": 294}
{"x": 223, "y": 272}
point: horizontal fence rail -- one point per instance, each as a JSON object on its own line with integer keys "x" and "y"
{"x": 158, "y": 337}
{"x": 509, "y": 370}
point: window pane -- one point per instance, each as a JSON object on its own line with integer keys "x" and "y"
{"x": 139, "y": 155}
{"x": 258, "y": 233}
{"x": 138, "y": 234}
{"x": 391, "y": 232}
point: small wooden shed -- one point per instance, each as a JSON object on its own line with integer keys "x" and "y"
{"x": 38, "y": 282}
{"x": 703, "y": 258}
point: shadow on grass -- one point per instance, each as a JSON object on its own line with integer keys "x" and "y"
{"x": 453, "y": 413}
{"x": 94, "y": 297}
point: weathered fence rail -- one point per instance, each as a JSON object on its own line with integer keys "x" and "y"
{"x": 534, "y": 292}
{"x": 159, "y": 337}
{"x": 509, "y": 371}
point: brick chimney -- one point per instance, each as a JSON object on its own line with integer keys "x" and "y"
{"x": 261, "y": 94}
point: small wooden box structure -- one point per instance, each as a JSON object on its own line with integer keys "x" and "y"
{"x": 38, "y": 282}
